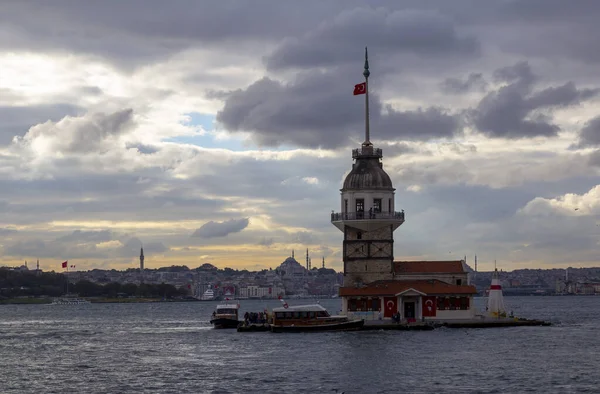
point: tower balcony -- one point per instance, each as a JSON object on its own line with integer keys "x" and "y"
{"x": 367, "y": 221}
{"x": 367, "y": 152}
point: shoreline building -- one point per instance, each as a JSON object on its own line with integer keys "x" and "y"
{"x": 374, "y": 284}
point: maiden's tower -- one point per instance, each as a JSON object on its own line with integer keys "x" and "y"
{"x": 375, "y": 286}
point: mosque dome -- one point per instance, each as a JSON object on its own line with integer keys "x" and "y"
{"x": 367, "y": 174}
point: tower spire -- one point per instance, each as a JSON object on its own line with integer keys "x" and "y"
{"x": 366, "y": 73}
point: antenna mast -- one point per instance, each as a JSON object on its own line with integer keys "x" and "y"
{"x": 366, "y": 73}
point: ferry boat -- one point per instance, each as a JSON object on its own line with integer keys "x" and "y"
{"x": 225, "y": 316}
{"x": 306, "y": 318}
{"x": 69, "y": 301}
{"x": 208, "y": 295}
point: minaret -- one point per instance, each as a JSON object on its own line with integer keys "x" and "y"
{"x": 495, "y": 305}
{"x": 142, "y": 265}
{"x": 323, "y": 261}
{"x": 307, "y": 263}
{"x": 292, "y": 253}
{"x": 367, "y": 217}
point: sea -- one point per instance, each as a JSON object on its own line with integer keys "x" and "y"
{"x": 170, "y": 347}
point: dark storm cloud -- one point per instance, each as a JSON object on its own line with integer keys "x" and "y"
{"x": 16, "y": 120}
{"x": 318, "y": 109}
{"x": 553, "y": 29}
{"x": 474, "y": 81}
{"x": 221, "y": 229}
{"x": 420, "y": 32}
{"x": 589, "y": 135}
{"x": 139, "y": 31}
{"x": 512, "y": 110}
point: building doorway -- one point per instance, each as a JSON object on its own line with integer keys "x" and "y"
{"x": 409, "y": 310}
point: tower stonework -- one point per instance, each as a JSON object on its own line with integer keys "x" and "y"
{"x": 367, "y": 217}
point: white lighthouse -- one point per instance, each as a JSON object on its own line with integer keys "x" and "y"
{"x": 495, "y": 305}
{"x": 367, "y": 217}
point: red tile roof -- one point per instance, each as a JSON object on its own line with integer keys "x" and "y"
{"x": 393, "y": 287}
{"x": 429, "y": 267}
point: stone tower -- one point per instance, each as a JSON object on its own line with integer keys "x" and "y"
{"x": 367, "y": 217}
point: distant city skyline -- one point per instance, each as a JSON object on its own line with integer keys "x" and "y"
{"x": 221, "y": 132}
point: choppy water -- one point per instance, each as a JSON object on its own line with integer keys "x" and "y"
{"x": 171, "y": 348}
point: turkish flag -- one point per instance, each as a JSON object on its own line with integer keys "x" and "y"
{"x": 390, "y": 306}
{"x": 429, "y": 306}
{"x": 361, "y": 88}
{"x": 64, "y": 264}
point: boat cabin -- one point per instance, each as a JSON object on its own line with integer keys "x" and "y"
{"x": 300, "y": 312}
{"x": 227, "y": 309}
{"x": 310, "y": 318}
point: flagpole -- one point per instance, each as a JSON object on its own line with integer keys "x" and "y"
{"x": 366, "y": 73}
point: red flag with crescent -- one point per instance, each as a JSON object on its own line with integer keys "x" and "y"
{"x": 390, "y": 306}
{"x": 360, "y": 88}
{"x": 429, "y": 306}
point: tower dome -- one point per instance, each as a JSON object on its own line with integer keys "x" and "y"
{"x": 367, "y": 172}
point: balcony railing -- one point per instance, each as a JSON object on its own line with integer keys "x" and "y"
{"x": 367, "y": 151}
{"x": 337, "y": 216}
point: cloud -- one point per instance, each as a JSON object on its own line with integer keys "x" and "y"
{"x": 221, "y": 229}
{"x": 318, "y": 110}
{"x": 86, "y": 134}
{"x": 16, "y": 120}
{"x": 474, "y": 81}
{"x": 570, "y": 204}
{"x": 589, "y": 135}
{"x": 511, "y": 111}
{"x": 417, "y": 32}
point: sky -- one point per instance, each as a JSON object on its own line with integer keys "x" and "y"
{"x": 221, "y": 132}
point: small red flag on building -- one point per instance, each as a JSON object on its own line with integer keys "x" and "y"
{"x": 361, "y": 88}
{"x": 64, "y": 264}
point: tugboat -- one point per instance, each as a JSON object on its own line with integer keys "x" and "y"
{"x": 306, "y": 318}
{"x": 225, "y": 316}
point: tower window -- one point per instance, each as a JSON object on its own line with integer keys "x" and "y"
{"x": 390, "y": 205}
{"x": 377, "y": 205}
{"x": 360, "y": 208}
{"x": 345, "y": 205}
{"x": 359, "y": 235}
{"x": 360, "y": 205}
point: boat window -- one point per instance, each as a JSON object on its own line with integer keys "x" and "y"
{"x": 322, "y": 314}
{"x": 227, "y": 311}
{"x": 288, "y": 315}
{"x": 304, "y": 315}
{"x": 279, "y": 315}
{"x": 296, "y": 315}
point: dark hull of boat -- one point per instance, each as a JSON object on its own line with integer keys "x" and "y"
{"x": 342, "y": 326}
{"x": 224, "y": 323}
